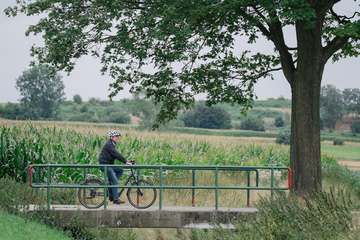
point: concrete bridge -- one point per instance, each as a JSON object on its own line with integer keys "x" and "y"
{"x": 168, "y": 217}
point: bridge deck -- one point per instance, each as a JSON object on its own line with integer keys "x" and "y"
{"x": 168, "y": 217}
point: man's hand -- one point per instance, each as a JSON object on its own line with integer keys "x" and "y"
{"x": 128, "y": 163}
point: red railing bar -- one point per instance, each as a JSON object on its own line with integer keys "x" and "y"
{"x": 289, "y": 185}
{"x": 30, "y": 172}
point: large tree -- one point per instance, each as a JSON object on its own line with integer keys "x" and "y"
{"x": 174, "y": 50}
{"x": 331, "y": 105}
{"x": 41, "y": 94}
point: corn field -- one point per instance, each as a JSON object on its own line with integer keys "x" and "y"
{"x": 29, "y": 143}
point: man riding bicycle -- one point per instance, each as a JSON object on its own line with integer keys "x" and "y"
{"x": 108, "y": 155}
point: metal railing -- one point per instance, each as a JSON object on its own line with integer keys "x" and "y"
{"x": 161, "y": 168}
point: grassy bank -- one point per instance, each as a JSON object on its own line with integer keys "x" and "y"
{"x": 13, "y": 227}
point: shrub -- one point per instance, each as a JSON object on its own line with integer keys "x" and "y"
{"x": 94, "y": 101}
{"x": 119, "y": 117}
{"x": 106, "y": 103}
{"x": 201, "y": 116}
{"x": 94, "y": 119}
{"x": 283, "y": 138}
{"x": 253, "y": 124}
{"x": 338, "y": 141}
{"x": 15, "y": 196}
{"x": 13, "y": 111}
{"x": 84, "y": 109}
{"x": 77, "y": 99}
{"x": 324, "y": 216}
{"x": 355, "y": 127}
{"x": 67, "y": 103}
{"x": 81, "y": 117}
{"x": 279, "y": 122}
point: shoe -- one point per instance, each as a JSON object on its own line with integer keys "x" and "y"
{"x": 118, "y": 201}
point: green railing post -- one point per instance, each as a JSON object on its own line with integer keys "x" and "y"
{"x": 193, "y": 190}
{"x": 160, "y": 190}
{"x": 105, "y": 188}
{"x": 48, "y": 187}
{"x": 37, "y": 182}
{"x": 272, "y": 183}
{"x": 216, "y": 188}
{"x": 248, "y": 190}
{"x": 84, "y": 190}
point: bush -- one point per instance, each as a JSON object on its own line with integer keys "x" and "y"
{"x": 279, "y": 122}
{"x": 355, "y": 127}
{"x": 94, "y": 101}
{"x": 338, "y": 141}
{"x": 283, "y": 138}
{"x": 81, "y": 117}
{"x": 119, "y": 117}
{"x": 14, "y": 111}
{"x": 253, "y": 124}
{"x": 106, "y": 103}
{"x": 324, "y": 216}
{"x": 67, "y": 103}
{"x": 15, "y": 196}
{"x": 84, "y": 109}
{"x": 201, "y": 116}
{"x": 77, "y": 99}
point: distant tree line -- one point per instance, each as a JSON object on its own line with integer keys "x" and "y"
{"x": 42, "y": 97}
{"x": 221, "y": 116}
{"x": 335, "y": 104}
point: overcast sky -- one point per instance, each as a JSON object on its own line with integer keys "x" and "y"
{"x": 87, "y": 81}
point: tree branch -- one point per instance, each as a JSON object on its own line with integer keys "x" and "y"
{"x": 334, "y": 46}
{"x": 342, "y": 19}
{"x": 275, "y": 34}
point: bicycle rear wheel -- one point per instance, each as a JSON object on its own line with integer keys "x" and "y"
{"x": 92, "y": 197}
{"x": 141, "y": 197}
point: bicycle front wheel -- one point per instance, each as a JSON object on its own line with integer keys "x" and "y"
{"x": 92, "y": 197}
{"x": 141, "y": 197}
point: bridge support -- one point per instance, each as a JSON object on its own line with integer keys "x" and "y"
{"x": 168, "y": 217}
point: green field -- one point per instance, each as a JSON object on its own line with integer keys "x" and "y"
{"x": 342, "y": 153}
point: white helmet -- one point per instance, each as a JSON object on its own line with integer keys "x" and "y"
{"x": 114, "y": 133}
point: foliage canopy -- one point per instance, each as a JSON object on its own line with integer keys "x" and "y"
{"x": 170, "y": 47}
{"x": 174, "y": 50}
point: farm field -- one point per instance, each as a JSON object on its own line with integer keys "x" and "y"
{"x": 62, "y": 143}
{"x": 347, "y": 154}
{"x": 23, "y": 143}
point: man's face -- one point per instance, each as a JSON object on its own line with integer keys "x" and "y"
{"x": 115, "y": 139}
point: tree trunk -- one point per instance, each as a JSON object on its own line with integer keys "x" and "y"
{"x": 305, "y": 155}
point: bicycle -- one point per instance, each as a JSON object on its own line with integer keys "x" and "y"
{"x": 140, "y": 198}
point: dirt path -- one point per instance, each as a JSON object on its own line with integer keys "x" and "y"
{"x": 350, "y": 163}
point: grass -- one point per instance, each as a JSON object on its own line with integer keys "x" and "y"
{"x": 13, "y": 227}
{"x": 342, "y": 153}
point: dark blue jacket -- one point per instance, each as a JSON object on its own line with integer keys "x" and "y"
{"x": 108, "y": 154}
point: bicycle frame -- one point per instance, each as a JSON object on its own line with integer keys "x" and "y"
{"x": 132, "y": 175}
